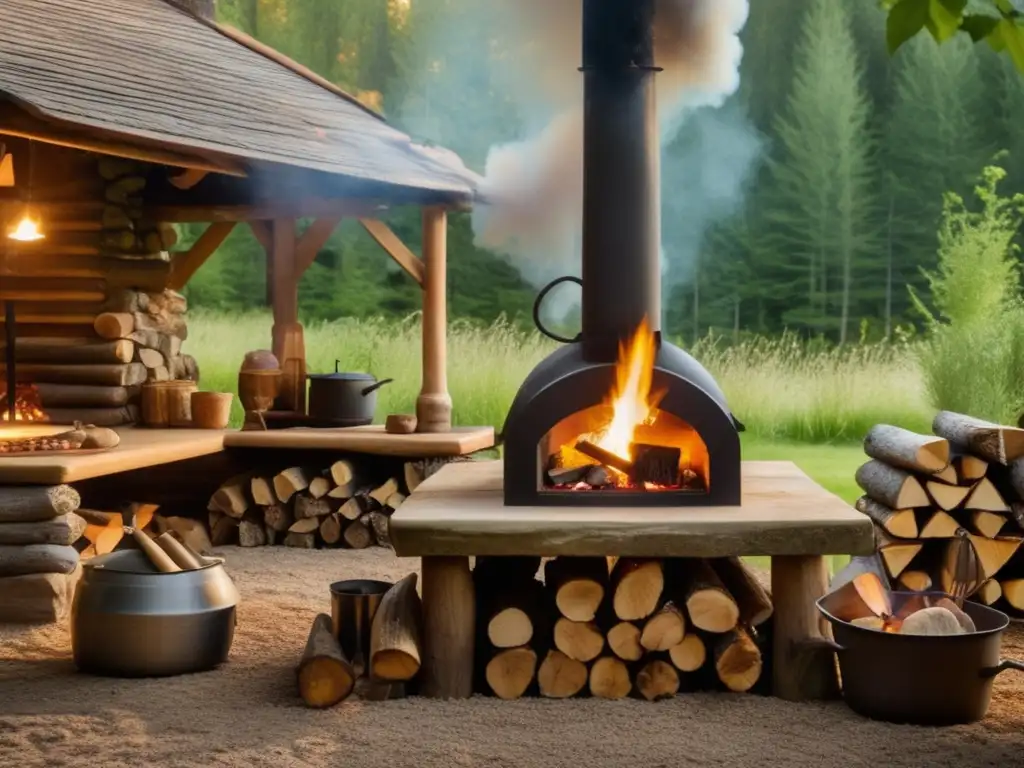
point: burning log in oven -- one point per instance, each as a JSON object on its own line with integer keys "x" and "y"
{"x": 27, "y": 404}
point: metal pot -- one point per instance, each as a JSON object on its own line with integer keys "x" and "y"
{"x": 925, "y": 680}
{"x": 343, "y": 399}
{"x": 353, "y": 605}
{"x": 128, "y": 620}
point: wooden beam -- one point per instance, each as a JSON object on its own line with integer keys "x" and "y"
{"x": 188, "y": 178}
{"x": 288, "y": 338}
{"x": 20, "y": 123}
{"x": 294, "y": 208}
{"x": 261, "y": 230}
{"x": 313, "y": 240}
{"x": 186, "y": 264}
{"x": 395, "y": 248}
{"x": 434, "y": 404}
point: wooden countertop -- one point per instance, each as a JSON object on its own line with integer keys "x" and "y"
{"x": 370, "y": 439}
{"x": 460, "y": 511}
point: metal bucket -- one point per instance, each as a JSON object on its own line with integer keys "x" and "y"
{"x": 353, "y": 605}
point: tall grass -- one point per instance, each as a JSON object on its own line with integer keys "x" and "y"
{"x": 780, "y": 389}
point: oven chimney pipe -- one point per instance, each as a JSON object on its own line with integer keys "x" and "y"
{"x": 12, "y": 376}
{"x": 621, "y": 176}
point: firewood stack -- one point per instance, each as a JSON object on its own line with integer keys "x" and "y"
{"x": 922, "y": 491}
{"x": 126, "y": 233}
{"x": 38, "y": 566}
{"x": 311, "y": 508}
{"x": 614, "y": 627}
{"x": 154, "y": 323}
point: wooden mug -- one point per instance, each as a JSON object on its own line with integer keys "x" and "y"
{"x": 211, "y": 410}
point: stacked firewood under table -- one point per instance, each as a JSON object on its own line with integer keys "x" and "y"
{"x": 310, "y": 508}
{"x": 615, "y": 627}
{"x": 924, "y": 491}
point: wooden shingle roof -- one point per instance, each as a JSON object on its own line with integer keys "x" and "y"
{"x": 147, "y": 71}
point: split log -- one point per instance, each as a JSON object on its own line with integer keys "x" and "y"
{"x": 33, "y": 503}
{"x": 224, "y": 532}
{"x": 510, "y": 611}
{"x": 251, "y": 532}
{"x": 319, "y": 487}
{"x": 947, "y": 475}
{"x": 151, "y": 358}
{"x": 307, "y": 506}
{"x": 993, "y": 442}
{"x": 300, "y": 540}
{"x": 751, "y": 597}
{"x": 708, "y": 603}
{"x": 657, "y": 680}
{"x": 946, "y": 497}
{"x": 969, "y": 468}
{"x": 395, "y": 633}
{"x": 380, "y": 525}
{"x": 636, "y": 586}
{"x": 896, "y": 553}
{"x": 560, "y": 677}
{"x": 65, "y": 351}
{"x": 987, "y": 524}
{"x": 64, "y": 530}
{"x": 262, "y": 491}
{"x": 306, "y": 525}
{"x": 915, "y": 581}
{"x": 936, "y": 525}
{"x": 230, "y": 499}
{"x": 663, "y": 629}
{"x": 278, "y": 517}
{"x": 290, "y": 481}
{"x": 902, "y": 448}
{"x": 344, "y": 492}
{"x": 382, "y": 493}
{"x": 342, "y": 472}
{"x": 737, "y": 660}
{"x": 609, "y": 678}
{"x": 99, "y": 417}
{"x": 353, "y": 508}
{"x": 325, "y": 676}
{"x": 984, "y": 496}
{"x": 993, "y": 554}
{"x": 658, "y": 464}
{"x": 568, "y": 475}
{"x": 901, "y": 523}
{"x": 578, "y": 585}
{"x": 37, "y": 558}
{"x": 580, "y": 640}
{"x": 890, "y": 486}
{"x": 114, "y": 325}
{"x": 689, "y": 655}
{"x": 394, "y": 501}
{"x": 989, "y": 592}
{"x": 358, "y": 534}
{"x": 510, "y": 672}
{"x": 330, "y": 529}
{"x": 37, "y": 598}
{"x": 76, "y": 396}
{"x": 1013, "y": 592}
{"x": 624, "y": 641}
{"x": 860, "y": 589}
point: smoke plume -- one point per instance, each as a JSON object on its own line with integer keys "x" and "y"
{"x": 534, "y": 187}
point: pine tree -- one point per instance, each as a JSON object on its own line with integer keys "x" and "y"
{"x": 823, "y": 203}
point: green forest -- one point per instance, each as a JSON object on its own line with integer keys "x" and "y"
{"x": 838, "y": 157}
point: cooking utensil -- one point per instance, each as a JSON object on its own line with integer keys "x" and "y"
{"x": 920, "y": 679}
{"x": 129, "y": 620}
{"x": 341, "y": 396}
{"x": 353, "y": 604}
{"x": 964, "y": 568}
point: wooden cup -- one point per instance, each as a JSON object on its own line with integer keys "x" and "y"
{"x": 211, "y": 410}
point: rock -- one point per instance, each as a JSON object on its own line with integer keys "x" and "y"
{"x": 870, "y": 622}
{"x": 931, "y": 621}
{"x": 966, "y": 622}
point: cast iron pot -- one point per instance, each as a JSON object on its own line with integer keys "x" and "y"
{"x": 924, "y": 680}
{"x": 343, "y": 399}
{"x": 128, "y": 620}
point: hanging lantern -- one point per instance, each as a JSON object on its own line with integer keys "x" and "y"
{"x": 27, "y": 229}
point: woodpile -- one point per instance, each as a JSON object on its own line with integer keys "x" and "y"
{"x": 126, "y": 233}
{"x": 923, "y": 492}
{"x": 335, "y": 506}
{"x": 617, "y": 627}
{"x": 39, "y": 567}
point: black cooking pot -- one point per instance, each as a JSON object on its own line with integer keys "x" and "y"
{"x": 919, "y": 679}
{"x": 343, "y": 399}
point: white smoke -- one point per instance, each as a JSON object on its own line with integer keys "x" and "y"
{"x": 534, "y": 187}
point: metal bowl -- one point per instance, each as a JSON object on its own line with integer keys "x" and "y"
{"x": 129, "y": 620}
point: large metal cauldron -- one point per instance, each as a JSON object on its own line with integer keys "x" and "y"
{"x": 925, "y": 680}
{"x": 128, "y": 620}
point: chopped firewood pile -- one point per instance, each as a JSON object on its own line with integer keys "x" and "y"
{"x": 311, "y": 508}
{"x": 615, "y": 627}
{"x": 924, "y": 491}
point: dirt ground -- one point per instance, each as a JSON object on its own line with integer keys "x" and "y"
{"x": 247, "y": 713}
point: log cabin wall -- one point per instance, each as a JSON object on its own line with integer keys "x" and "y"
{"x": 95, "y": 319}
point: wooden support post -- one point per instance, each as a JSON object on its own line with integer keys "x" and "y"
{"x": 434, "y": 405}
{"x": 288, "y": 343}
{"x": 449, "y": 617}
{"x": 804, "y": 663}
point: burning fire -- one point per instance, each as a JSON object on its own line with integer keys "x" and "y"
{"x": 27, "y": 405}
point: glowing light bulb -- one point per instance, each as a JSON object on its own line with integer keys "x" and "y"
{"x": 26, "y": 231}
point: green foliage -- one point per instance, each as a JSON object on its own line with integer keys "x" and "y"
{"x": 973, "y": 360}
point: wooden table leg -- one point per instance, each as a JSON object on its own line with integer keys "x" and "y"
{"x": 804, "y": 667}
{"x": 449, "y": 615}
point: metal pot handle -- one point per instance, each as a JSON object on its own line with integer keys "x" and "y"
{"x": 337, "y": 366}
{"x": 1002, "y": 666}
{"x": 375, "y": 386}
{"x": 540, "y": 299}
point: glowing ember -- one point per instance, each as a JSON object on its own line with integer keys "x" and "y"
{"x": 27, "y": 406}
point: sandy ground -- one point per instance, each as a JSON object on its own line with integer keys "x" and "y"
{"x": 247, "y": 713}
